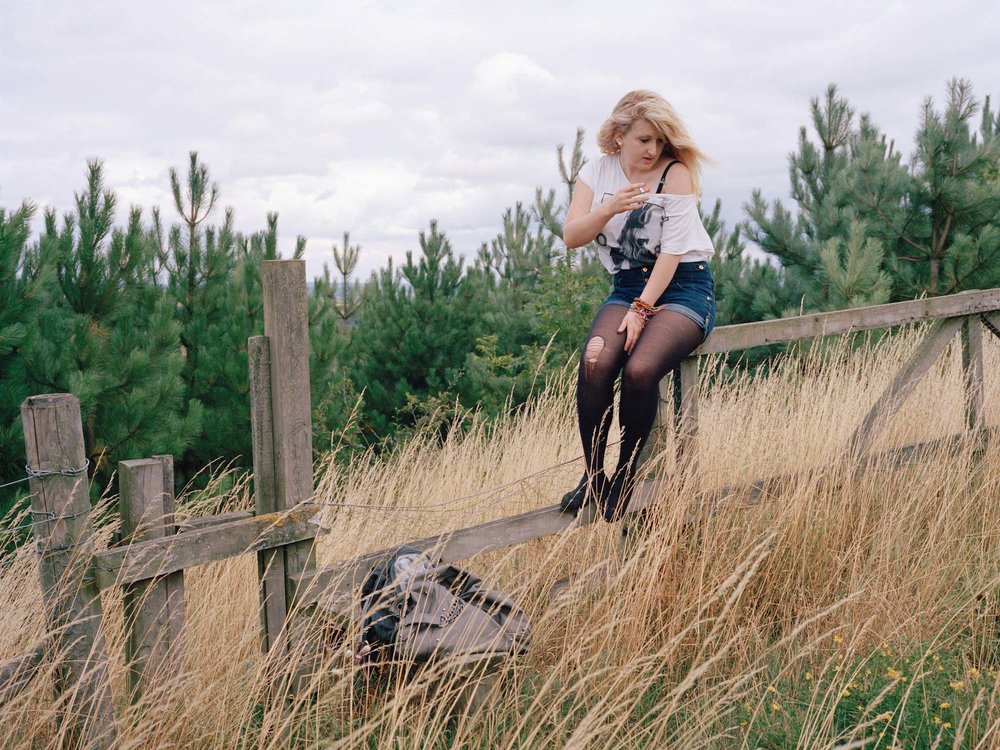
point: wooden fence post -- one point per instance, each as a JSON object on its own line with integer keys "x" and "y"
{"x": 686, "y": 414}
{"x": 286, "y": 327}
{"x": 270, "y": 562}
{"x": 972, "y": 367}
{"x": 154, "y": 609}
{"x": 60, "y": 509}
{"x": 633, "y": 523}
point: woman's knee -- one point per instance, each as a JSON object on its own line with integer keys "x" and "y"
{"x": 599, "y": 361}
{"x": 639, "y": 376}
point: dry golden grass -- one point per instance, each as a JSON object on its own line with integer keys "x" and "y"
{"x": 753, "y": 626}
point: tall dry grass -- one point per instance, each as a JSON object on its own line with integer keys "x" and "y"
{"x": 833, "y": 615}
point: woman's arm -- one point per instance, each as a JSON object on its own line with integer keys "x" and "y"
{"x": 582, "y": 225}
{"x": 663, "y": 271}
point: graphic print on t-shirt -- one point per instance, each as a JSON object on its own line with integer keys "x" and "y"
{"x": 638, "y": 235}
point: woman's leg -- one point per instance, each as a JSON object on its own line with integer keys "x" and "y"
{"x": 602, "y": 359}
{"x": 668, "y": 338}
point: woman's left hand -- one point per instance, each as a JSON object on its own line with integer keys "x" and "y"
{"x": 631, "y": 326}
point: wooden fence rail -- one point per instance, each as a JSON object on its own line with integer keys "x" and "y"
{"x": 156, "y": 548}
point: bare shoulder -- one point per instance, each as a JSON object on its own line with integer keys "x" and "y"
{"x": 678, "y": 180}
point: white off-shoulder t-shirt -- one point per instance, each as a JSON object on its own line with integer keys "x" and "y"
{"x": 663, "y": 224}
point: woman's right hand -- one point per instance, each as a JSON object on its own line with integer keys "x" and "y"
{"x": 583, "y": 224}
{"x": 628, "y": 198}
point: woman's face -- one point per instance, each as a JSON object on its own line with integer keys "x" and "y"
{"x": 642, "y": 145}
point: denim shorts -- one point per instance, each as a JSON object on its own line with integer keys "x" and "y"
{"x": 691, "y": 292}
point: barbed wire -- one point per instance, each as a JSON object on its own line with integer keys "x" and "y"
{"x": 16, "y": 481}
{"x": 49, "y": 516}
{"x": 39, "y": 473}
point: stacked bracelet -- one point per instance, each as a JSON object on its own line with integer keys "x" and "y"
{"x": 643, "y": 309}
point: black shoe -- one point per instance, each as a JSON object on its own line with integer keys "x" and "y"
{"x": 615, "y": 499}
{"x": 587, "y": 491}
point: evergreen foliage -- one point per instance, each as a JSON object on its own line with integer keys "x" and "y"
{"x": 419, "y": 323}
{"x": 109, "y": 335}
{"x": 871, "y": 228}
{"x": 19, "y": 290}
{"x": 344, "y": 293}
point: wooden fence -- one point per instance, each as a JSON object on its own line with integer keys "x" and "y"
{"x": 154, "y": 549}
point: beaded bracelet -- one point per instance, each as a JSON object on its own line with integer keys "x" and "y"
{"x": 643, "y": 309}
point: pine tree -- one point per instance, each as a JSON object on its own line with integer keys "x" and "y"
{"x": 939, "y": 216}
{"x": 343, "y": 292}
{"x": 109, "y": 334}
{"x": 746, "y": 288}
{"x": 871, "y": 228}
{"x": 417, "y": 326}
{"x": 333, "y": 305}
{"x": 19, "y": 291}
{"x": 825, "y": 211}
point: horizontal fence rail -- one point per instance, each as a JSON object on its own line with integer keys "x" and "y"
{"x": 157, "y": 557}
{"x": 749, "y": 335}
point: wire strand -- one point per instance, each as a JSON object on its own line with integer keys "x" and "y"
{"x": 453, "y": 501}
{"x": 39, "y": 473}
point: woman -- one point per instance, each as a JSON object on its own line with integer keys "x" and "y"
{"x": 639, "y": 202}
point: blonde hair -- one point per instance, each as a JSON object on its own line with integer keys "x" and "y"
{"x": 660, "y": 113}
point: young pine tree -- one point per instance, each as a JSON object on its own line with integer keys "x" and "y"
{"x": 415, "y": 328}
{"x": 108, "y": 333}
{"x": 825, "y": 211}
{"x": 19, "y": 297}
{"x": 939, "y": 215}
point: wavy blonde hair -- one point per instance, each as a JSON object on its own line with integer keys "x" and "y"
{"x": 660, "y": 113}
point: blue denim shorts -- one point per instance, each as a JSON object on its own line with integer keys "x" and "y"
{"x": 691, "y": 292}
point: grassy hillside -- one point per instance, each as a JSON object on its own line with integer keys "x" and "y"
{"x": 853, "y": 610}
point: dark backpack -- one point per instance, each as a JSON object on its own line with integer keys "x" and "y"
{"x": 438, "y": 611}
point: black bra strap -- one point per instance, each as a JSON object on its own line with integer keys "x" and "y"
{"x": 663, "y": 177}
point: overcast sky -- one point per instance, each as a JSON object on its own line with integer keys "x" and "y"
{"x": 376, "y": 117}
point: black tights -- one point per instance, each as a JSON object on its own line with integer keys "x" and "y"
{"x": 667, "y": 339}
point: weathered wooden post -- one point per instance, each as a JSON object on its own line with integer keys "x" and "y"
{"x": 686, "y": 397}
{"x": 60, "y": 510}
{"x": 680, "y": 385}
{"x": 271, "y": 562}
{"x": 154, "y": 608}
{"x": 972, "y": 368}
{"x": 282, "y": 442}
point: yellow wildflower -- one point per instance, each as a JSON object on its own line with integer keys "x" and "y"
{"x": 845, "y": 692}
{"x": 838, "y": 638}
{"x": 809, "y": 676}
{"x": 974, "y": 672}
{"x": 887, "y": 716}
{"x": 944, "y": 705}
{"x": 937, "y": 719}
{"x": 894, "y": 674}
{"x": 772, "y": 689}
{"x": 957, "y": 684}
{"x": 946, "y": 725}
{"x": 775, "y": 707}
